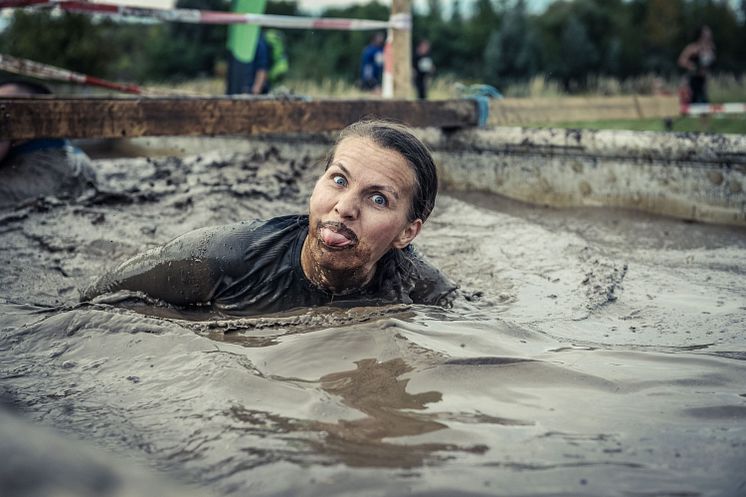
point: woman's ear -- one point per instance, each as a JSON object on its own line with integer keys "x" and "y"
{"x": 408, "y": 234}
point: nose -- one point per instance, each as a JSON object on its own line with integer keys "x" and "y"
{"x": 347, "y": 206}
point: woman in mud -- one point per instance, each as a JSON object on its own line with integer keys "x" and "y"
{"x": 353, "y": 248}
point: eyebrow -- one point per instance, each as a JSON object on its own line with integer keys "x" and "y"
{"x": 383, "y": 188}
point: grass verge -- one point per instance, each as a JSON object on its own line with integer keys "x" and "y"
{"x": 735, "y": 124}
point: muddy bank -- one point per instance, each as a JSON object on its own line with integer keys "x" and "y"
{"x": 689, "y": 176}
{"x": 685, "y": 175}
{"x": 593, "y": 352}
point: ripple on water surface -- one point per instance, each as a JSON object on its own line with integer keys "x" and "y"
{"x": 589, "y": 353}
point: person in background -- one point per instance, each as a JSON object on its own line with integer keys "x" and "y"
{"x": 696, "y": 59}
{"x": 40, "y": 167}
{"x": 250, "y": 77}
{"x": 371, "y": 64}
{"x": 278, "y": 57}
{"x": 423, "y": 68}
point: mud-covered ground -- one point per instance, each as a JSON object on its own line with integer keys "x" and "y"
{"x": 592, "y": 352}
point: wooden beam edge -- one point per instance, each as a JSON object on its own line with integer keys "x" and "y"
{"x": 55, "y": 117}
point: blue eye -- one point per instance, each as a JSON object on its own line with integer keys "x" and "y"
{"x": 339, "y": 180}
{"x": 379, "y": 199}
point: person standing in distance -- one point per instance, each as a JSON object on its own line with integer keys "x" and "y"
{"x": 696, "y": 59}
{"x": 423, "y": 68}
{"x": 371, "y": 64}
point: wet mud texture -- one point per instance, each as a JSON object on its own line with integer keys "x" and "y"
{"x": 592, "y": 352}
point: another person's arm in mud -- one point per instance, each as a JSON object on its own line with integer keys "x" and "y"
{"x": 40, "y": 167}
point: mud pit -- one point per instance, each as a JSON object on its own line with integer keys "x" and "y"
{"x": 593, "y": 352}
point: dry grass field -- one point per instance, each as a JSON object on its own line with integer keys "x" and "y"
{"x": 724, "y": 88}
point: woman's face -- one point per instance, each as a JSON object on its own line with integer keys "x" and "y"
{"x": 358, "y": 209}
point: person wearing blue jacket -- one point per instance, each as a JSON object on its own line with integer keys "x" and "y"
{"x": 371, "y": 64}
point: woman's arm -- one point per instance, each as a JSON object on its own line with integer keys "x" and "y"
{"x": 181, "y": 272}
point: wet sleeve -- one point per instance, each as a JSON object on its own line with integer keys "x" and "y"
{"x": 184, "y": 271}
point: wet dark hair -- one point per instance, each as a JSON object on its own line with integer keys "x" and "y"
{"x": 28, "y": 86}
{"x": 399, "y": 138}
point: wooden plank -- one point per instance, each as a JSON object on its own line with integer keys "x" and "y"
{"x": 518, "y": 112}
{"x": 401, "y": 44}
{"x": 55, "y": 117}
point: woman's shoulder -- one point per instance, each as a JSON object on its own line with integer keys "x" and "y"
{"x": 253, "y": 229}
{"x": 424, "y": 283}
{"x": 251, "y": 240}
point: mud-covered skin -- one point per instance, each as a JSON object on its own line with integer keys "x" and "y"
{"x": 254, "y": 267}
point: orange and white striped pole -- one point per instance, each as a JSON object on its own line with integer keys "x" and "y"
{"x": 194, "y": 16}
{"x": 38, "y": 70}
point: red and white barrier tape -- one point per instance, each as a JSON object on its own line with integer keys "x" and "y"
{"x": 14, "y": 4}
{"x": 194, "y": 16}
{"x": 43, "y": 71}
{"x": 702, "y": 109}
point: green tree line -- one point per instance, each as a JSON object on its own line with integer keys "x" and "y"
{"x": 495, "y": 41}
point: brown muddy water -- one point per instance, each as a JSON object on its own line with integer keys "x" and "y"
{"x": 592, "y": 352}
